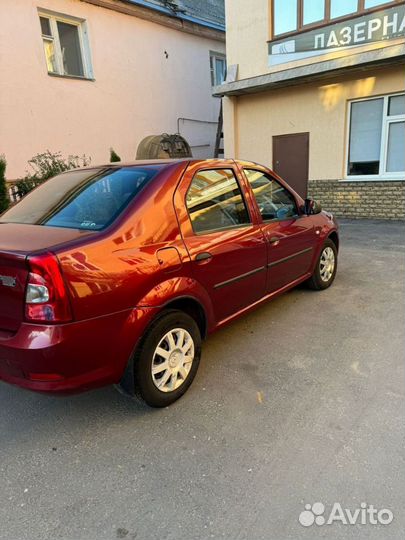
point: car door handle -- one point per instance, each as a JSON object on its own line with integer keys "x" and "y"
{"x": 203, "y": 256}
{"x": 274, "y": 240}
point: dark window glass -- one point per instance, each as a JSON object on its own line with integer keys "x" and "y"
{"x": 83, "y": 199}
{"x": 215, "y": 202}
{"x": 274, "y": 200}
{"x": 45, "y": 26}
{"x": 70, "y": 48}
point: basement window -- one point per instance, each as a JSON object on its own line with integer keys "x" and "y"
{"x": 377, "y": 137}
{"x": 66, "y": 45}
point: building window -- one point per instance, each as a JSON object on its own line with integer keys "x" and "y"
{"x": 313, "y": 11}
{"x": 340, "y": 8}
{"x": 368, "y": 4}
{"x": 218, "y": 68}
{"x": 291, "y": 16}
{"x": 66, "y": 45}
{"x": 285, "y": 16}
{"x": 377, "y": 137}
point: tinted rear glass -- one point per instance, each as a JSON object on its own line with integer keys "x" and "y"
{"x": 81, "y": 199}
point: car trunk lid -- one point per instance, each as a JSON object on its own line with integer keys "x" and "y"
{"x": 13, "y": 277}
{"x": 17, "y": 242}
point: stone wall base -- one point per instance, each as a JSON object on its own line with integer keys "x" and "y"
{"x": 374, "y": 200}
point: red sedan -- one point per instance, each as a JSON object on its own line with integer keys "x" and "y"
{"x": 115, "y": 274}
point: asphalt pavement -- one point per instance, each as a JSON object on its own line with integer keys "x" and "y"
{"x": 300, "y": 402}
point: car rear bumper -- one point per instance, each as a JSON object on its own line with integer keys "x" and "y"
{"x": 72, "y": 357}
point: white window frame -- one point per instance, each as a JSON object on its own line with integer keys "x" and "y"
{"x": 82, "y": 32}
{"x": 387, "y": 121}
{"x": 214, "y": 56}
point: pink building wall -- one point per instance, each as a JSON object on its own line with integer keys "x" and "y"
{"x": 137, "y": 91}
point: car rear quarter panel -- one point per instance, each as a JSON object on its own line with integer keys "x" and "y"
{"x": 115, "y": 270}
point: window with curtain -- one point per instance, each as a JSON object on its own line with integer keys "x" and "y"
{"x": 377, "y": 137}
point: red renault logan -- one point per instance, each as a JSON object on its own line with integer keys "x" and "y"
{"x": 115, "y": 274}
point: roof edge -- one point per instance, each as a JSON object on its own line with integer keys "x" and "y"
{"x": 182, "y": 16}
{"x": 162, "y": 15}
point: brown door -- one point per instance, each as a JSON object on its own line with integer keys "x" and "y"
{"x": 291, "y": 160}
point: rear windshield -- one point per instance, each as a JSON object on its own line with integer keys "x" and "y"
{"x": 82, "y": 199}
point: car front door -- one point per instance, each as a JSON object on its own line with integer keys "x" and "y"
{"x": 290, "y": 235}
{"x": 223, "y": 237}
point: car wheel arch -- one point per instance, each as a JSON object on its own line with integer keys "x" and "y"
{"x": 192, "y": 307}
{"x": 335, "y": 238}
{"x": 180, "y": 290}
{"x": 187, "y": 304}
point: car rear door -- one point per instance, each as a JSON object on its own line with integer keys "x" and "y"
{"x": 290, "y": 236}
{"x": 223, "y": 236}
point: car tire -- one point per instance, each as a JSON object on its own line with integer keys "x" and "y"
{"x": 326, "y": 267}
{"x": 167, "y": 358}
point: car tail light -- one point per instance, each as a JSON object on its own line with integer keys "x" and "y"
{"x": 46, "y": 297}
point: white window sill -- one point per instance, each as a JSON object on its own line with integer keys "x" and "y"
{"x": 75, "y": 77}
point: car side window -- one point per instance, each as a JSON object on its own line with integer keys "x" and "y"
{"x": 274, "y": 200}
{"x": 214, "y": 201}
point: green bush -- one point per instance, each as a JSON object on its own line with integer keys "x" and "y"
{"x": 4, "y": 200}
{"x": 47, "y": 165}
{"x": 114, "y": 157}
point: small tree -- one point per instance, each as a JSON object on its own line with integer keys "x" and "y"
{"x": 4, "y": 200}
{"x": 114, "y": 157}
{"x": 47, "y": 165}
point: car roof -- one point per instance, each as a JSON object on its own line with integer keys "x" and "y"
{"x": 144, "y": 162}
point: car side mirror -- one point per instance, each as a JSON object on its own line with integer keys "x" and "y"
{"x": 311, "y": 207}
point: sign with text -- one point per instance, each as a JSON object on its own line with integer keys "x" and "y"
{"x": 380, "y": 26}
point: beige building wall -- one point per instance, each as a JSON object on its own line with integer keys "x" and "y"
{"x": 251, "y": 120}
{"x": 247, "y": 30}
{"x": 137, "y": 91}
{"x": 320, "y": 109}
